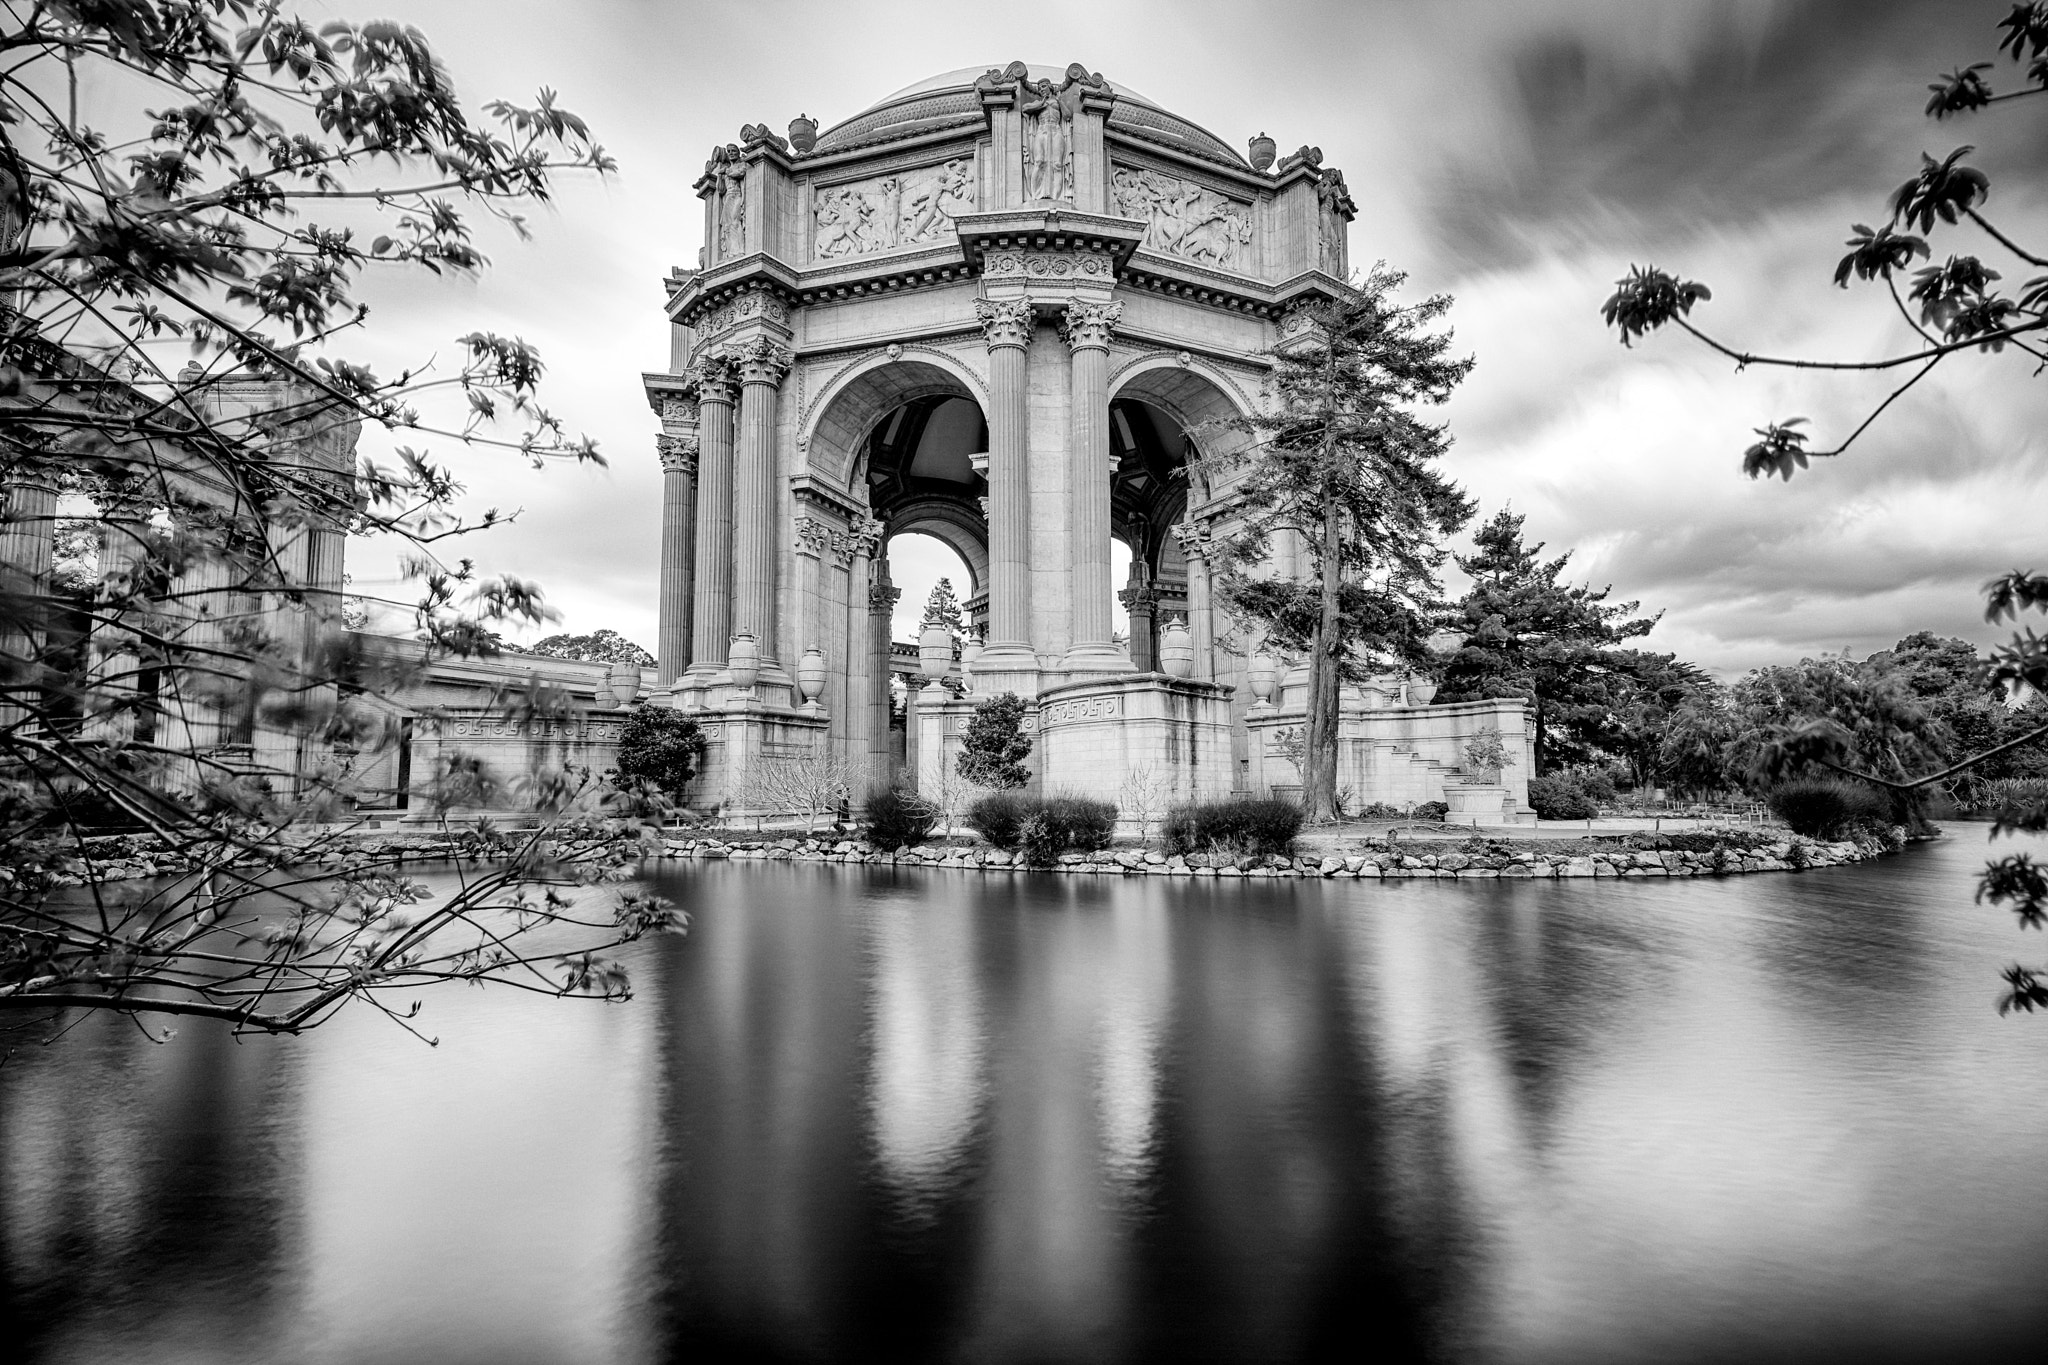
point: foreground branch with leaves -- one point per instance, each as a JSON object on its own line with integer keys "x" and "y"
{"x": 190, "y": 193}
{"x": 1962, "y": 308}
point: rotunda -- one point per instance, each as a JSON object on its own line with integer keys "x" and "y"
{"x": 1006, "y": 308}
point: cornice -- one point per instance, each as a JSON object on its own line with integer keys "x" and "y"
{"x": 967, "y": 133}
{"x": 1038, "y": 229}
{"x": 728, "y": 280}
{"x": 1242, "y": 176}
{"x": 807, "y": 488}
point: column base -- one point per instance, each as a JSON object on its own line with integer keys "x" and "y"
{"x": 1096, "y": 659}
{"x": 1006, "y": 666}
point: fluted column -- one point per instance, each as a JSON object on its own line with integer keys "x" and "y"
{"x": 1141, "y": 600}
{"x": 678, "y": 531}
{"x": 1194, "y": 546}
{"x": 1087, "y": 327}
{"x": 882, "y": 598}
{"x": 27, "y": 530}
{"x": 863, "y": 541}
{"x": 711, "y": 604}
{"x": 1007, "y": 326}
{"x": 762, "y": 364}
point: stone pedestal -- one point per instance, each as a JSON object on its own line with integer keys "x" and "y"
{"x": 1096, "y": 735}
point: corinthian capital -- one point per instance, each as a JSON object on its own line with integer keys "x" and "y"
{"x": 715, "y": 376}
{"x": 762, "y": 361}
{"x": 1193, "y": 538}
{"x": 678, "y": 453}
{"x": 1086, "y": 325}
{"x": 1005, "y": 322}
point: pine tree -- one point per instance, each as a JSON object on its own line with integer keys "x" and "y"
{"x": 1343, "y": 461}
{"x": 942, "y": 608}
{"x": 1528, "y": 634}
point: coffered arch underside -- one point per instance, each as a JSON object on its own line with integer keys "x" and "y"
{"x": 860, "y": 390}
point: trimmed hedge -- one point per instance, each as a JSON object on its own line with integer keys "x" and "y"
{"x": 1043, "y": 826}
{"x": 1261, "y": 828}
{"x": 1824, "y": 808}
{"x": 895, "y": 818}
{"x": 1560, "y": 798}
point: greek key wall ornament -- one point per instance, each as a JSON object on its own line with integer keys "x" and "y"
{"x": 1085, "y": 325}
{"x": 678, "y": 453}
{"x": 1005, "y": 322}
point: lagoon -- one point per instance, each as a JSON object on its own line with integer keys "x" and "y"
{"x": 913, "y": 1114}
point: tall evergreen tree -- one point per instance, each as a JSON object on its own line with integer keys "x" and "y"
{"x": 1527, "y": 634}
{"x": 1343, "y": 461}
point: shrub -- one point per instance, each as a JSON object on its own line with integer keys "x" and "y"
{"x": 1824, "y": 808}
{"x": 1432, "y": 811}
{"x": 1258, "y": 827}
{"x": 999, "y": 816}
{"x": 1049, "y": 826}
{"x": 1557, "y": 797}
{"x": 1380, "y": 810}
{"x": 895, "y": 817}
{"x": 658, "y": 747}
{"x": 993, "y": 750}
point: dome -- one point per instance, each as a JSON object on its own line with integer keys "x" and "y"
{"x": 948, "y": 100}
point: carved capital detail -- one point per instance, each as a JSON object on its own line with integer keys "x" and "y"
{"x": 1087, "y": 325}
{"x": 866, "y": 535}
{"x": 716, "y": 377}
{"x": 882, "y": 597}
{"x": 813, "y": 537}
{"x": 1005, "y": 322}
{"x": 762, "y": 361}
{"x": 1139, "y": 599}
{"x": 678, "y": 453}
{"x": 679, "y": 409}
{"x": 1193, "y": 538}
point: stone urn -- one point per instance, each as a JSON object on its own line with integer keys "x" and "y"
{"x": 934, "y": 651}
{"x": 810, "y": 677}
{"x": 1176, "y": 650}
{"x": 625, "y": 681}
{"x": 1263, "y": 150}
{"x": 743, "y": 661}
{"x": 970, "y": 653}
{"x": 606, "y": 699}
{"x": 803, "y": 133}
{"x": 1420, "y": 691}
{"x": 1261, "y": 675}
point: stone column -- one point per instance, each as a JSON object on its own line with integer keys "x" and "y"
{"x": 1086, "y": 327}
{"x": 1007, "y": 326}
{"x": 864, "y": 540}
{"x": 27, "y": 532}
{"x": 1194, "y": 546}
{"x": 678, "y": 499}
{"x": 762, "y": 364}
{"x": 1141, "y": 600}
{"x": 711, "y": 606}
{"x": 882, "y": 599}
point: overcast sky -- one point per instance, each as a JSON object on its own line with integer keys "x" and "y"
{"x": 1519, "y": 155}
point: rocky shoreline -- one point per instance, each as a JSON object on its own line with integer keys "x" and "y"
{"x": 121, "y": 858}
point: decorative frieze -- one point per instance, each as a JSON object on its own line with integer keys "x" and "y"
{"x": 754, "y": 305}
{"x": 890, "y": 211}
{"x": 1086, "y": 324}
{"x": 679, "y": 409}
{"x": 1183, "y": 218}
{"x": 1005, "y": 322}
{"x": 1036, "y": 265}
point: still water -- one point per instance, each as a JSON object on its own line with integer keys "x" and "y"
{"x": 867, "y": 1114}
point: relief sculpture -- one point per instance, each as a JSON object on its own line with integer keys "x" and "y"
{"x": 892, "y": 210}
{"x": 1185, "y": 219}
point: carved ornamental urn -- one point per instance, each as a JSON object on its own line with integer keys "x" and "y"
{"x": 810, "y": 677}
{"x": 803, "y": 133}
{"x": 1420, "y": 690}
{"x": 934, "y": 652}
{"x": 1263, "y": 150}
{"x": 625, "y": 681}
{"x": 743, "y": 661}
{"x": 1176, "y": 650}
{"x": 1261, "y": 675}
